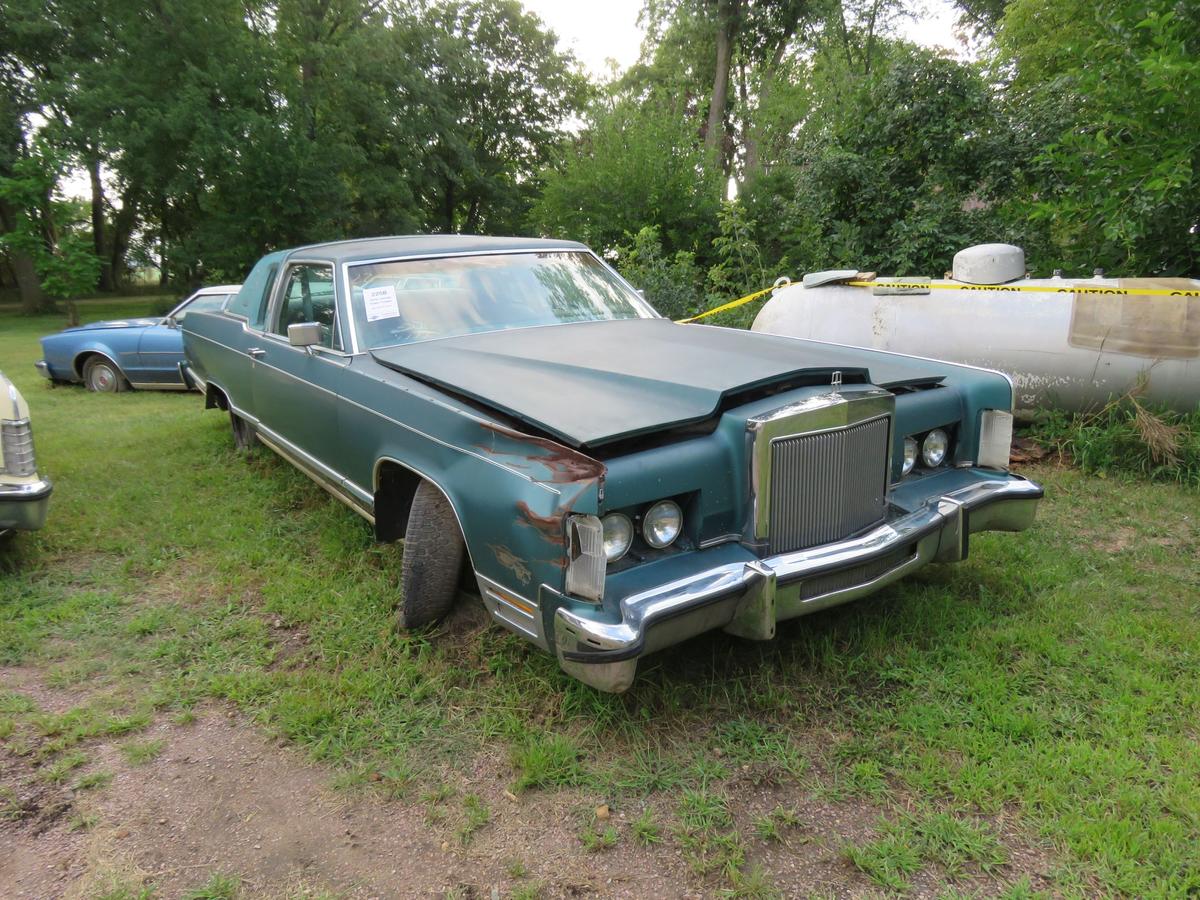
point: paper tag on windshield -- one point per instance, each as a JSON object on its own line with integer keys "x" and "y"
{"x": 380, "y": 303}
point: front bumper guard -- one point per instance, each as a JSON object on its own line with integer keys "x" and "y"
{"x": 23, "y": 506}
{"x": 748, "y": 598}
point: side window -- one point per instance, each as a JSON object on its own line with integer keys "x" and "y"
{"x": 251, "y": 301}
{"x": 207, "y": 303}
{"x": 308, "y": 297}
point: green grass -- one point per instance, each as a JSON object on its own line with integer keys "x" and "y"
{"x": 219, "y": 886}
{"x": 1053, "y": 677}
{"x": 139, "y": 753}
{"x": 1113, "y": 441}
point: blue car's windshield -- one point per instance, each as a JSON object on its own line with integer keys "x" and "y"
{"x": 419, "y": 300}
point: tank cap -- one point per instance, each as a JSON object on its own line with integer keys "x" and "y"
{"x": 989, "y": 264}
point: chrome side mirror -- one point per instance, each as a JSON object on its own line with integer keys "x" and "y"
{"x": 304, "y": 334}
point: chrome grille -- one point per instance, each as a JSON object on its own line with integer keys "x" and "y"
{"x": 17, "y": 438}
{"x": 827, "y": 485}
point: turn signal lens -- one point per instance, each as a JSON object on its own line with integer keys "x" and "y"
{"x": 662, "y": 523}
{"x": 934, "y": 447}
{"x": 995, "y": 438}
{"x": 910, "y": 455}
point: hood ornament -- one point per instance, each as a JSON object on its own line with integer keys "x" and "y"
{"x": 837, "y": 379}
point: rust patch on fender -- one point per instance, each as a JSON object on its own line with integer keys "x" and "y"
{"x": 512, "y": 562}
{"x": 549, "y": 527}
{"x": 566, "y": 464}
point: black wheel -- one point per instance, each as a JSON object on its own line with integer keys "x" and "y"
{"x": 433, "y": 554}
{"x": 244, "y": 437}
{"x": 103, "y": 376}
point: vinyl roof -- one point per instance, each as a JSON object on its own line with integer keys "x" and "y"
{"x": 424, "y": 245}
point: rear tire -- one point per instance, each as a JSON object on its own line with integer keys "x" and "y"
{"x": 433, "y": 555}
{"x": 244, "y": 437}
{"x": 103, "y": 377}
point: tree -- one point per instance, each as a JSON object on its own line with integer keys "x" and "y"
{"x": 1109, "y": 90}
{"x": 635, "y": 164}
{"x": 504, "y": 94}
{"x": 894, "y": 170}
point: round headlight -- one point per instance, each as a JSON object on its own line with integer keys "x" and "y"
{"x": 910, "y": 455}
{"x": 933, "y": 449}
{"x": 662, "y": 523}
{"x": 618, "y": 535}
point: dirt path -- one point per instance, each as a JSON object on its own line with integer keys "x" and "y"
{"x": 220, "y": 797}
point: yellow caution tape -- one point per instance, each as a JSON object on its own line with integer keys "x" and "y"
{"x": 1077, "y": 289}
{"x": 930, "y": 286}
{"x": 732, "y": 304}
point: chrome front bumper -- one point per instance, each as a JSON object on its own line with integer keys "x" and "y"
{"x": 43, "y": 368}
{"x": 23, "y": 506}
{"x": 747, "y": 598}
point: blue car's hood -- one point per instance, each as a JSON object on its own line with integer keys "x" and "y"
{"x": 115, "y": 323}
{"x": 592, "y": 383}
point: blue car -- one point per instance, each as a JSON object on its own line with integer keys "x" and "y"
{"x": 142, "y": 353}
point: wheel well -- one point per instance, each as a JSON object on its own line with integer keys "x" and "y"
{"x": 82, "y": 358}
{"x": 394, "y": 490}
{"x": 214, "y": 398}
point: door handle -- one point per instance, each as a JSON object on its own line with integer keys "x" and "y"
{"x": 256, "y": 352}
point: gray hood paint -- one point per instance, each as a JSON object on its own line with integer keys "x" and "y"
{"x": 593, "y": 383}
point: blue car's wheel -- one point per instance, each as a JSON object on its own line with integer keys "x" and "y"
{"x": 433, "y": 554}
{"x": 103, "y": 377}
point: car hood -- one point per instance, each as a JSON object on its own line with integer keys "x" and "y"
{"x": 593, "y": 383}
{"x": 115, "y": 323}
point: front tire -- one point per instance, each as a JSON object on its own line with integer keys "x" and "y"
{"x": 433, "y": 555}
{"x": 103, "y": 377}
{"x": 244, "y": 437}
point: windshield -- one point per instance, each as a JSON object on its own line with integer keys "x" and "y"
{"x": 203, "y": 303}
{"x": 424, "y": 299}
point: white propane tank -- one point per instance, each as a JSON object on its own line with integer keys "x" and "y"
{"x": 1063, "y": 347}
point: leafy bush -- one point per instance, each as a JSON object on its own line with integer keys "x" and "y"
{"x": 1127, "y": 437}
{"x": 670, "y": 283}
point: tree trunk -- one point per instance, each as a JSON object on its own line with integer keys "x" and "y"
{"x": 124, "y": 220}
{"x": 29, "y": 285}
{"x": 33, "y": 298}
{"x": 99, "y": 244}
{"x": 448, "y": 207}
{"x": 714, "y": 135}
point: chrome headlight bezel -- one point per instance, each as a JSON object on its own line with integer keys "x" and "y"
{"x": 653, "y": 517}
{"x": 911, "y": 451}
{"x": 933, "y": 456}
{"x": 612, "y": 521}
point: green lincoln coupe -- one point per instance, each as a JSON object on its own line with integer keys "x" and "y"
{"x": 612, "y": 482}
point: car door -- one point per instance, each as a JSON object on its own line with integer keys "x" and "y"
{"x": 160, "y": 347}
{"x": 295, "y": 388}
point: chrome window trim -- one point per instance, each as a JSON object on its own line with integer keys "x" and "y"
{"x": 814, "y": 415}
{"x": 158, "y": 386}
{"x": 278, "y": 290}
{"x": 645, "y": 309}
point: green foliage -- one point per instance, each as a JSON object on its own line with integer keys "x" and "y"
{"x": 894, "y": 171}
{"x": 547, "y": 760}
{"x": 1108, "y": 87}
{"x": 218, "y": 887}
{"x": 671, "y": 284}
{"x": 43, "y": 229}
{"x": 1125, "y": 438}
{"x": 636, "y": 164}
